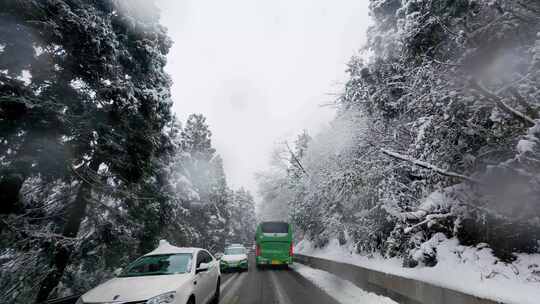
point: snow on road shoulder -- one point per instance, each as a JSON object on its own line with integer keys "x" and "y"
{"x": 343, "y": 291}
{"x": 471, "y": 270}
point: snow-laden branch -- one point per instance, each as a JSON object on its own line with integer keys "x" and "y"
{"x": 28, "y": 233}
{"x": 296, "y": 160}
{"x": 429, "y": 166}
{"x": 501, "y": 104}
{"x": 429, "y": 218}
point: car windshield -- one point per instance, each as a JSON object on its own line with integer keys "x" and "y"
{"x": 159, "y": 265}
{"x": 237, "y": 250}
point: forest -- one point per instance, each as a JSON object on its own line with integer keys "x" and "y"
{"x": 95, "y": 168}
{"x": 436, "y": 136}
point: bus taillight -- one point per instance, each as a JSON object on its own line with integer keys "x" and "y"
{"x": 258, "y": 250}
{"x": 291, "y": 249}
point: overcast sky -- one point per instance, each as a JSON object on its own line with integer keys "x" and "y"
{"x": 259, "y": 70}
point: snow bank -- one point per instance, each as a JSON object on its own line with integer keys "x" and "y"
{"x": 525, "y": 146}
{"x": 342, "y": 290}
{"x": 471, "y": 270}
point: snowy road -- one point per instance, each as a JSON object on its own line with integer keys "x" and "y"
{"x": 270, "y": 287}
{"x": 297, "y": 285}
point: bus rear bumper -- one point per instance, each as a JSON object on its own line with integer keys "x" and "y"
{"x": 273, "y": 261}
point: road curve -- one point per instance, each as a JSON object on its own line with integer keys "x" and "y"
{"x": 270, "y": 286}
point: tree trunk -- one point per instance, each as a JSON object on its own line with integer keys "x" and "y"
{"x": 10, "y": 186}
{"x": 63, "y": 251}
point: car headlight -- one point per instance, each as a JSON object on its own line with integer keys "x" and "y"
{"x": 167, "y": 297}
{"x": 79, "y": 301}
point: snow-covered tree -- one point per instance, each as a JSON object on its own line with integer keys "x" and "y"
{"x": 242, "y": 221}
{"x": 84, "y": 100}
{"x": 94, "y": 169}
{"x": 435, "y": 133}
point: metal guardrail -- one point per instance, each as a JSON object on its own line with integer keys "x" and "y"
{"x": 400, "y": 289}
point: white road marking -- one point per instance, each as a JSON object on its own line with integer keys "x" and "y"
{"x": 230, "y": 295}
{"x": 282, "y": 298}
{"x": 227, "y": 282}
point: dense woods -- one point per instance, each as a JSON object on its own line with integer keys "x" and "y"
{"x": 94, "y": 167}
{"x": 436, "y": 136}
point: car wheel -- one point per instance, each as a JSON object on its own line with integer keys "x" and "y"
{"x": 215, "y": 299}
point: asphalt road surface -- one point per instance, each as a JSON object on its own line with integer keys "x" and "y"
{"x": 270, "y": 286}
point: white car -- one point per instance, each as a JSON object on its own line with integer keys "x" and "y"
{"x": 166, "y": 275}
{"x": 234, "y": 258}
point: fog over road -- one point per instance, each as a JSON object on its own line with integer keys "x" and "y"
{"x": 270, "y": 286}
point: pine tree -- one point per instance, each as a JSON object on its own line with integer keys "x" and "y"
{"x": 196, "y": 138}
{"x": 205, "y": 170}
{"x": 243, "y": 221}
{"x": 89, "y": 111}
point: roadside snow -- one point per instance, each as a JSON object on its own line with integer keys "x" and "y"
{"x": 471, "y": 270}
{"x": 343, "y": 291}
{"x": 525, "y": 146}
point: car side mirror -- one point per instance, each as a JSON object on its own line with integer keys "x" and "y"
{"x": 219, "y": 255}
{"x": 117, "y": 272}
{"x": 202, "y": 267}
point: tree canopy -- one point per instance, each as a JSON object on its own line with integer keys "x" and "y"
{"x": 94, "y": 167}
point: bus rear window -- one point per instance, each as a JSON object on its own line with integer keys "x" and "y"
{"x": 275, "y": 227}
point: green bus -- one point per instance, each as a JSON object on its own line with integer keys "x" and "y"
{"x": 274, "y": 244}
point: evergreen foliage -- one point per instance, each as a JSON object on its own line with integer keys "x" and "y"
{"x": 94, "y": 168}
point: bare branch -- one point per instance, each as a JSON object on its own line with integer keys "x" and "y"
{"x": 430, "y": 166}
{"x": 501, "y": 104}
{"x": 440, "y": 62}
{"x": 296, "y": 160}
